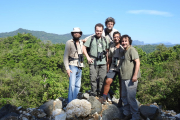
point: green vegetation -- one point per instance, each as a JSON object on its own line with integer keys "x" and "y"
{"x": 32, "y": 72}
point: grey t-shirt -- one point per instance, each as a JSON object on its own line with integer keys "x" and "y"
{"x": 128, "y": 66}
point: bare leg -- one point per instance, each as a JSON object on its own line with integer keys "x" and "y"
{"x": 107, "y": 85}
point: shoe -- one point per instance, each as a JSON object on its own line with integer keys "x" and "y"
{"x": 119, "y": 103}
{"x": 101, "y": 100}
{"x": 128, "y": 117}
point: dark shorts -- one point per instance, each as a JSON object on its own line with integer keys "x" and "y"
{"x": 112, "y": 74}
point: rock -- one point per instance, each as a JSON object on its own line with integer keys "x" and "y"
{"x": 111, "y": 112}
{"x": 19, "y": 108}
{"x": 41, "y": 115}
{"x": 83, "y": 96}
{"x": 86, "y": 96}
{"x": 61, "y": 117}
{"x": 51, "y": 105}
{"x": 24, "y": 118}
{"x": 58, "y": 104}
{"x": 96, "y": 116}
{"x": 149, "y": 112}
{"x": 8, "y": 109}
{"x": 64, "y": 101}
{"x": 56, "y": 112}
{"x": 38, "y": 113}
{"x": 10, "y": 116}
{"x": 95, "y": 105}
{"x": 79, "y": 108}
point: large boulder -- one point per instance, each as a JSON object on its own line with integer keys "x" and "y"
{"x": 150, "y": 112}
{"x": 111, "y": 112}
{"x": 50, "y": 106}
{"x": 95, "y": 105}
{"x": 78, "y": 108}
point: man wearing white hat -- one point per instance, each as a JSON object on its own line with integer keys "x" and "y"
{"x": 73, "y": 62}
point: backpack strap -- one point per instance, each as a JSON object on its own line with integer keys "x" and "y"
{"x": 105, "y": 41}
{"x": 92, "y": 38}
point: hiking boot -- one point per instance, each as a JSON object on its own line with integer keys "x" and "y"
{"x": 102, "y": 100}
{"x": 128, "y": 117}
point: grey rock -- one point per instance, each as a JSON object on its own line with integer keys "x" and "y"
{"x": 61, "y": 117}
{"x": 47, "y": 107}
{"x": 41, "y": 115}
{"x": 121, "y": 112}
{"x": 112, "y": 112}
{"x": 51, "y": 105}
{"x": 58, "y": 104}
{"x": 149, "y": 112}
{"x": 95, "y": 105}
{"x": 86, "y": 96}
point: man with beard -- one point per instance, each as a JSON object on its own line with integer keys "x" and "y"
{"x": 130, "y": 72}
{"x": 73, "y": 59}
{"x": 113, "y": 66}
{"x": 96, "y": 57}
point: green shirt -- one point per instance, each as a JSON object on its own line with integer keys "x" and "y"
{"x": 128, "y": 66}
{"x": 97, "y": 47}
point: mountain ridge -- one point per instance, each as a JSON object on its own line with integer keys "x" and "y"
{"x": 62, "y": 38}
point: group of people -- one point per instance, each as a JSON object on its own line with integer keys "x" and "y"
{"x": 109, "y": 54}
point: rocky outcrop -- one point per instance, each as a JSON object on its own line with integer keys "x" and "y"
{"x": 84, "y": 108}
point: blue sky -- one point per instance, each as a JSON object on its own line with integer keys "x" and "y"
{"x": 150, "y": 21}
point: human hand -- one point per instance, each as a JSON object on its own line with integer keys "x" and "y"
{"x": 90, "y": 60}
{"x": 68, "y": 72}
{"x": 134, "y": 78}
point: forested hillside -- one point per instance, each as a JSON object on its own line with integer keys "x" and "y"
{"x": 54, "y": 38}
{"x": 32, "y": 72}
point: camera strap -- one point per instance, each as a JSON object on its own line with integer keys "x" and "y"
{"x": 76, "y": 46}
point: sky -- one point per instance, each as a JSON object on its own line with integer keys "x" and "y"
{"x": 150, "y": 21}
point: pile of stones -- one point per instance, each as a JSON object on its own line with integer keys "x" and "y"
{"x": 85, "y": 107}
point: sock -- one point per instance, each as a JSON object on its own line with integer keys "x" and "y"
{"x": 104, "y": 96}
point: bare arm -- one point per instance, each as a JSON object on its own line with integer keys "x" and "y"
{"x": 109, "y": 63}
{"x": 90, "y": 60}
{"x": 137, "y": 66}
{"x": 66, "y": 60}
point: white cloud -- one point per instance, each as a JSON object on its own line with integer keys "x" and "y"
{"x": 152, "y": 12}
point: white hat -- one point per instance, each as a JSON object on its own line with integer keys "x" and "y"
{"x": 76, "y": 29}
